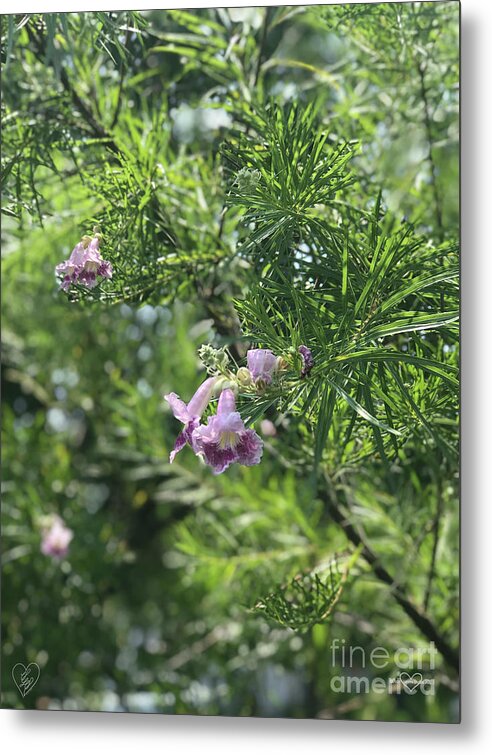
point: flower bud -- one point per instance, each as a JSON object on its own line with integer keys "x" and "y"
{"x": 243, "y": 377}
{"x": 261, "y": 385}
{"x": 223, "y": 383}
{"x": 307, "y": 360}
{"x": 282, "y": 364}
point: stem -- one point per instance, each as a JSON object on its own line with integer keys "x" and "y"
{"x": 264, "y": 33}
{"x": 436, "y": 530}
{"x": 120, "y": 86}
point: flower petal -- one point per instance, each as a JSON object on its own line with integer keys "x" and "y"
{"x": 105, "y": 269}
{"x": 180, "y": 443}
{"x": 218, "y": 458}
{"x": 178, "y": 407}
{"x": 249, "y": 449}
{"x": 200, "y": 400}
{"x": 185, "y": 436}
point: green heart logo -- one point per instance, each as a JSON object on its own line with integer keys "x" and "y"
{"x": 25, "y": 677}
{"x": 411, "y": 683}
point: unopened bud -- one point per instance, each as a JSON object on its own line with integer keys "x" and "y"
{"x": 223, "y": 383}
{"x": 243, "y": 376}
{"x": 282, "y": 364}
{"x": 261, "y": 385}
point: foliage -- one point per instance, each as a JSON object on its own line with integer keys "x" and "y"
{"x": 306, "y": 600}
{"x": 261, "y": 177}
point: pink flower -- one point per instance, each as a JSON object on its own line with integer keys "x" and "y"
{"x": 262, "y": 363}
{"x": 190, "y": 414}
{"x": 225, "y": 440}
{"x": 267, "y": 428}
{"x": 84, "y": 265}
{"x": 56, "y": 538}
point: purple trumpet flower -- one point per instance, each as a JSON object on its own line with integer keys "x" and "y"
{"x": 262, "y": 363}
{"x": 56, "y": 538}
{"x": 190, "y": 414}
{"x": 84, "y": 265}
{"x": 307, "y": 361}
{"x": 225, "y": 440}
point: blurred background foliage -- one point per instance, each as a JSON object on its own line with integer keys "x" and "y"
{"x": 183, "y": 592}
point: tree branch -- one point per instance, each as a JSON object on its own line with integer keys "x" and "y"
{"x": 261, "y": 51}
{"x": 436, "y": 532}
{"x": 98, "y": 130}
{"x": 119, "y": 100}
{"x": 419, "y": 618}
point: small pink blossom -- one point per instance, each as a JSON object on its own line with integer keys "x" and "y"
{"x": 225, "y": 440}
{"x": 56, "y": 538}
{"x": 267, "y": 428}
{"x": 84, "y": 265}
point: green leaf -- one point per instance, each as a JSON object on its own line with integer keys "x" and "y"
{"x": 412, "y": 321}
{"x": 361, "y": 411}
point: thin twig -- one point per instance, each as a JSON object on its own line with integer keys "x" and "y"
{"x": 419, "y": 618}
{"x": 97, "y": 129}
{"x": 261, "y": 51}
{"x": 120, "y": 85}
{"x": 436, "y": 531}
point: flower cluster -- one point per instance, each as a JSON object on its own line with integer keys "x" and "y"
{"x": 224, "y": 440}
{"x": 56, "y": 537}
{"x": 248, "y": 179}
{"x": 85, "y": 265}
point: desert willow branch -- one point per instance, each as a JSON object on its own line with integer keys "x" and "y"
{"x": 419, "y": 618}
{"x": 98, "y": 130}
